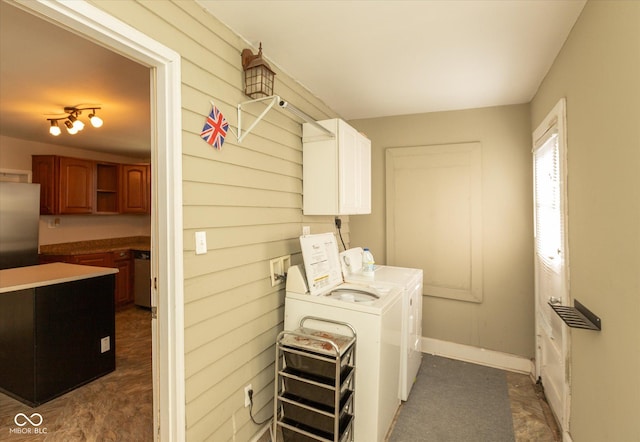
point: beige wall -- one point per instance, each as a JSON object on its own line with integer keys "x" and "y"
{"x": 504, "y": 320}
{"x": 248, "y": 198}
{"x": 598, "y": 71}
{"x": 16, "y": 154}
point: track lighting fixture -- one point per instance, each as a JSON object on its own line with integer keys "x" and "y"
{"x": 72, "y": 122}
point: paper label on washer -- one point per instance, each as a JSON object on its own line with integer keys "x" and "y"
{"x": 321, "y": 262}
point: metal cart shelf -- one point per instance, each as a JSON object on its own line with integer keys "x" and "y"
{"x": 314, "y": 388}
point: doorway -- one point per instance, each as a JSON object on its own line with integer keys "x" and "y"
{"x": 551, "y": 261}
{"x": 93, "y": 24}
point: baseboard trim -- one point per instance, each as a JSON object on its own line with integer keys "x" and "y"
{"x": 264, "y": 435}
{"x": 476, "y": 355}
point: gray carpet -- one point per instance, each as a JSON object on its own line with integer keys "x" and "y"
{"x": 454, "y": 401}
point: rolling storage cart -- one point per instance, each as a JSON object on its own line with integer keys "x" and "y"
{"x": 314, "y": 385}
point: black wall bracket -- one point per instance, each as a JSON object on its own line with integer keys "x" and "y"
{"x": 578, "y": 316}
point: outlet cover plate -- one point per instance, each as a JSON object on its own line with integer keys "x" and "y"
{"x": 247, "y": 401}
{"x": 105, "y": 344}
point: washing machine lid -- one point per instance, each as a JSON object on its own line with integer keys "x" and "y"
{"x": 321, "y": 262}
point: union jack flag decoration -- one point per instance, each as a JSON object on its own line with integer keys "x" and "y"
{"x": 215, "y": 128}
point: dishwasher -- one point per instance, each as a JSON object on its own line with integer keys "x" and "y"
{"x": 142, "y": 278}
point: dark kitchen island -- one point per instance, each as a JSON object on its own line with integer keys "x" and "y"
{"x": 57, "y": 329}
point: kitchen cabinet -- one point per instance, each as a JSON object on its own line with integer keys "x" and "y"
{"x": 92, "y": 259}
{"x": 56, "y": 333}
{"x": 122, "y": 260}
{"x": 135, "y": 193}
{"x": 66, "y": 184}
{"x": 336, "y": 172}
{"x": 119, "y": 259}
{"x": 78, "y": 186}
{"x": 107, "y": 187}
{"x": 44, "y": 171}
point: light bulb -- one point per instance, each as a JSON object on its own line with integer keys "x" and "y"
{"x": 77, "y": 124}
{"x": 96, "y": 121}
{"x": 54, "y": 129}
{"x": 70, "y": 127}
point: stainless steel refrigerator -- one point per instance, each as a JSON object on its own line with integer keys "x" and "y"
{"x": 19, "y": 224}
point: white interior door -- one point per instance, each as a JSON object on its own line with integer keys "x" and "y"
{"x": 551, "y": 264}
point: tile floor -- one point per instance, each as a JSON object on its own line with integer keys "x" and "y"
{"x": 118, "y": 406}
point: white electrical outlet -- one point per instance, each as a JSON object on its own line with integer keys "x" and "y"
{"x": 306, "y": 230}
{"x": 247, "y": 399}
{"x": 105, "y": 344}
{"x": 201, "y": 243}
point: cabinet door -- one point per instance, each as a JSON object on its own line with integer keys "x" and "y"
{"x": 135, "y": 188}
{"x": 124, "y": 277}
{"x": 364, "y": 174}
{"x": 355, "y": 171}
{"x": 44, "y": 170}
{"x": 76, "y": 186}
{"x": 348, "y": 154}
{"x": 336, "y": 172}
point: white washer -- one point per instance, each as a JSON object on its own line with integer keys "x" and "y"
{"x": 377, "y": 323}
{"x": 411, "y": 282}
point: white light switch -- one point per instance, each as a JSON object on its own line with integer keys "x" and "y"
{"x": 201, "y": 243}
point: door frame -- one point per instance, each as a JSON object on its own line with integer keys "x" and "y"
{"x": 557, "y": 116}
{"x": 96, "y": 25}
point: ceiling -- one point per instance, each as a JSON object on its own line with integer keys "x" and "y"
{"x": 44, "y": 68}
{"x": 362, "y": 58}
{"x": 378, "y": 58}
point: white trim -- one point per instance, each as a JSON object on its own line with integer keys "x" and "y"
{"x": 556, "y": 116}
{"x": 168, "y": 339}
{"x": 477, "y": 355}
{"x": 16, "y": 175}
{"x": 260, "y": 434}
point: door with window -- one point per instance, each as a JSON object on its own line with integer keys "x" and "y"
{"x": 551, "y": 260}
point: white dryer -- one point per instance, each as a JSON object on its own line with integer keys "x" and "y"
{"x": 319, "y": 290}
{"x": 411, "y": 282}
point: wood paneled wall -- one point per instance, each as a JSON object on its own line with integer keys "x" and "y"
{"x": 248, "y": 198}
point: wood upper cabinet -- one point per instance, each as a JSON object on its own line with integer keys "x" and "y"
{"x": 66, "y": 184}
{"x": 107, "y": 187}
{"x": 134, "y": 189}
{"x": 45, "y": 172}
{"x": 78, "y": 186}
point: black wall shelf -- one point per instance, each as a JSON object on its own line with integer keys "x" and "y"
{"x": 578, "y": 316}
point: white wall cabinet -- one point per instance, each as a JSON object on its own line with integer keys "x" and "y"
{"x": 336, "y": 171}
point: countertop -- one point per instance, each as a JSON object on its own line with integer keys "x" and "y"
{"x": 97, "y": 246}
{"x": 28, "y": 277}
